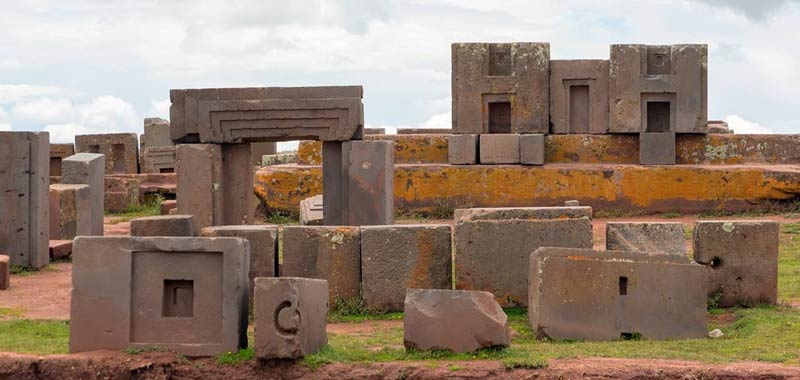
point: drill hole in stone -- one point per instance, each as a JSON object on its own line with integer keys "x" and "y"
{"x": 178, "y": 298}
{"x": 623, "y": 286}
{"x": 715, "y": 263}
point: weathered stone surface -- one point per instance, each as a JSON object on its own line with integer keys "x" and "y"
{"x": 572, "y": 203}
{"x": 742, "y": 257}
{"x": 261, "y": 149}
{"x": 369, "y": 166}
{"x": 60, "y": 249}
{"x": 492, "y": 255}
{"x": 456, "y": 320}
{"x": 70, "y": 211}
{"x": 237, "y": 185}
{"x": 122, "y": 192}
{"x": 238, "y": 115}
{"x": 657, "y": 149}
{"x": 88, "y": 169}
{"x": 502, "y": 213}
{"x": 617, "y": 295}
{"x": 499, "y": 149}
{"x": 58, "y": 152}
{"x": 199, "y": 168}
{"x": 121, "y": 150}
{"x": 424, "y": 131}
{"x": 160, "y": 159}
{"x": 263, "y": 247}
{"x": 374, "y": 131}
{"x": 164, "y": 225}
{"x": 500, "y": 87}
{"x": 290, "y": 317}
{"x": 718, "y": 126}
{"x": 397, "y": 257}
{"x": 658, "y": 88}
{"x": 334, "y": 179}
{"x": 156, "y": 132}
{"x": 655, "y": 238}
{"x": 531, "y": 149}
{"x": 311, "y": 210}
{"x": 278, "y": 159}
{"x": 462, "y": 149}
{"x": 327, "y": 253}
{"x": 24, "y": 203}
{"x": 167, "y": 205}
{"x": 5, "y": 272}
{"x": 579, "y": 96}
{"x": 178, "y": 293}
{"x": 408, "y": 149}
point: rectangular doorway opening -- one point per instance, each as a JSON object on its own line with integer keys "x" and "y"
{"x": 178, "y": 298}
{"x": 623, "y": 286}
{"x": 658, "y": 116}
{"x": 55, "y": 166}
{"x": 118, "y": 158}
{"x": 500, "y": 117}
{"x": 579, "y": 109}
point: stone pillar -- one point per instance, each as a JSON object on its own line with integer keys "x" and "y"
{"x": 237, "y": 185}
{"x": 70, "y": 211}
{"x": 369, "y": 166}
{"x": 199, "y": 187}
{"x": 88, "y": 169}
{"x": 333, "y": 183}
{"x": 24, "y": 184}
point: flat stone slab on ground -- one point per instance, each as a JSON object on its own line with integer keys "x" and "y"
{"x": 164, "y": 225}
{"x": 60, "y": 249}
{"x": 653, "y": 237}
{"x": 504, "y": 213}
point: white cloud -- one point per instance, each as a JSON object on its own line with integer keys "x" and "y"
{"x": 43, "y": 111}
{"x": 442, "y": 120}
{"x": 105, "y": 114}
{"x": 743, "y": 127}
{"x": 13, "y": 93}
{"x": 65, "y": 133}
{"x": 160, "y": 108}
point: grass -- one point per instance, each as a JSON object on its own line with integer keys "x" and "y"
{"x": 34, "y": 337}
{"x": 282, "y": 218}
{"x": 150, "y": 207}
{"x": 789, "y": 263}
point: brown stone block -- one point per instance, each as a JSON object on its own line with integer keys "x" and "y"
{"x": 88, "y": 169}
{"x": 199, "y": 168}
{"x": 167, "y": 205}
{"x": 70, "y": 211}
{"x": 5, "y": 272}
{"x": 655, "y": 238}
{"x": 58, "y": 152}
{"x": 156, "y": 133}
{"x": 462, "y": 149}
{"x": 369, "y": 166}
{"x": 504, "y": 213}
{"x": 159, "y": 159}
{"x": 579, "y": 96}
{"x": 499, "y": 149}
{"x": 263, "y": 247}
{"x": 121, "y": 150}
{"x": 164, "y": 225}
{"x": 60, "y": 249}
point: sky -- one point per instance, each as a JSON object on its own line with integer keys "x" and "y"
{"x": 102, "y": 66}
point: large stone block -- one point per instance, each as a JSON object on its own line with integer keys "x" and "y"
{"x": 121, "y": 150}
{"x": 492, "y": 255}
{"x": 505, "y": 213}
{"x": 657, "y": 149}
{"x": 617, "y": 295}
{"x": 579, "y": 96}
{"x": 370, "y": 174}
{"x": 88, "y": 169}
{"x": 237, "y": 185}
{"x": 335, "y": 183}
{"x": 278, "y": 159}
{"x": 156, "y": 133}
{"x": 159, "y": 159}
{"x": 178, "y": 293}
{"x": 462, "y": 149}
{"x": 199, "y": 168}
{"x": 261, "y": 149}
{"x": 500, "y": 87}
{"x": 311, "y": 210}
{"x": 70, "y": 211}
{"x": 5, "y": 272}
{"x": 326, "y": 253}
{"x": 742, "y": 260}
{"x": 60, "y": 249}
{"x": 168, "y": 205}
{"x": 58, "y": 152}
{"x": 655, "y": 238}
{"x": 456, "y": 320}
{"x": 531, "y": 149}
{"x": 394, "y": 258}
{"x": 238, "y": 115}
{"x": 24, "y": 197}
{"x": 164, "y": 225}
{"x": 499, "y": 149}
{"x": 263, "y": 247}
{"x": 658, "y": 88}
{"x": 290, "y": 317}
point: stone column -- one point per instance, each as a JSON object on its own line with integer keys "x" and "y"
{"x": 334, "y": 184}
{"x": 88, "y": 169}
{"x": 237, "y": 185}
{"x": 199, "y": 187}
{"x": 369, "y": 166}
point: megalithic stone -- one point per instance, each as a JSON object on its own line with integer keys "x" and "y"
{"x": 199, "y": 169}
{"x": 70, "y": 211}
{"x": 88, "y": 169}
{"x": 370, "y": 182}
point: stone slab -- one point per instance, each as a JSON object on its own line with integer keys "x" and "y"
{"x": 60, "y": 249}
{"x": 167, "y": 205}
{"x": 278, "y": 159}
{"x": 504, "y": 213}
{"x": 369, "y": 166}
{"x": 237, "y": 185}
{"x": 159, "y": 159}
{"x": 499, "y": 149}
{"x": 742, "y": 257}
{"x": 331, "y": 253}
{"x": 531, "y": 149}
{"x": 456, "y": 320}
{"x": 177, "y": 293}
{"x": 311, "y": 211}
{"x": 394, "y": 258}
{"x": 424, "y": 131}
{"x": 374, "y": 131}
{"x": 618, "y": 295}
{"x": 655, "y": 238}
{"x": 199, "y": 168}
{"x": 121, "y": 150}
{"x": 164, "y": 225}
{"x": 263, "y": 247}
{"x": 579, "y": 96}
{"x": 70, "y": 211}
{"x": 290, "y": 317}
{"x": 156, "y": 132}
{"x": 88, "y": 169}
{"x": 492, "y": 255}
{"x": 5, "y": 272}
{"x": 462, "y": 149}
{"x": 657, "y": 149}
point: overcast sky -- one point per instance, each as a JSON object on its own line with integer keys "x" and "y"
{"x": 102, "y": 66}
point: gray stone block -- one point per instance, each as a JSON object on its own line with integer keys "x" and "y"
{"x": 237, "y": 185}
{"x": 505, "y": 213}
{"x": 492, "y": 255}
{"x": 199, "y": 168}
{"x": 655, "y": 238}
{"x": 164, "y": 225}
{"x": 370, "y": 175}
{"x": 394, "y": 258}
{"x": 177, "y": 293}
{"x": 657, "y": 148}
{"x": 121, "y": 150}
{"x": 263, "y": 247}
{"x": 462, "y": 149}
{"x": 456, "y": 320}
{"x": 311, "y": 210}
{"x": 579, "y": 96}
{"x": 334, "y": 183}
{"x": 499, "y": 149}
{"x": 5, "y": 272}
{"x": 156, "y": 133}
{"x": 290, "y": 317}
{"x": 742, "y": 260}
{"x": 70, "y": 211}
{"x": 88, "y": 169}
{"x": 531, "y": 149}
{"x": 618, "y": 295}
{"x": 159, "y": 159}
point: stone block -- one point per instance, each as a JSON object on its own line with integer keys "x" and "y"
{"x": 24, "y": 197}
{"x": 199, "y": 168}
{"x": 263, "y": 247}
{"x": 462, "y": 149}
{"x": 492, "y": 255}
{"x": 500, "y": 87}
{"x": 655, "y": 238}
{"x": 290, "y": 317}
{"x": 531, "y": 149}
{"x": 579, "y": 96}
{"x": 618, "y": 295}
{"x": 499, "y": 149}
{"x": 374, "y": 131}
{"x": 167, "y": 205}
{"x": 59, "y": 152}
{"x": 70, "y": 211}
{"x": 60, "y": 249}
{"x": 260, "y": 149}
{"x": 311, "y": 210}
{"x": 397, "y": 257}
{"x": 572, "y": 203}
{"x": 5, "y": 272}
{"x": 240, "y": 115}
{"x": 370, "y": 174}
{"x": 742, "y": 260}
{"x": 164, "y": 225}
{"x": 237, "y": 185}
{"x": 657, "y": 148}
{"x": 121, "y": 150}
{"x": 177, "y": 293}
{"x": 658, "y": 88}
{"x": 88, "y": 169}
{"x": 159, "y": 159}
{"x": 334, "y": 183}
{"x": 327, "y": 253}
{"x": 505, "y": 213}
{"x": 156, "y": 133}
{"x": 424, "y": 131}
{"x": 278, "y": 159}
{"x": 456, "y": 320}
